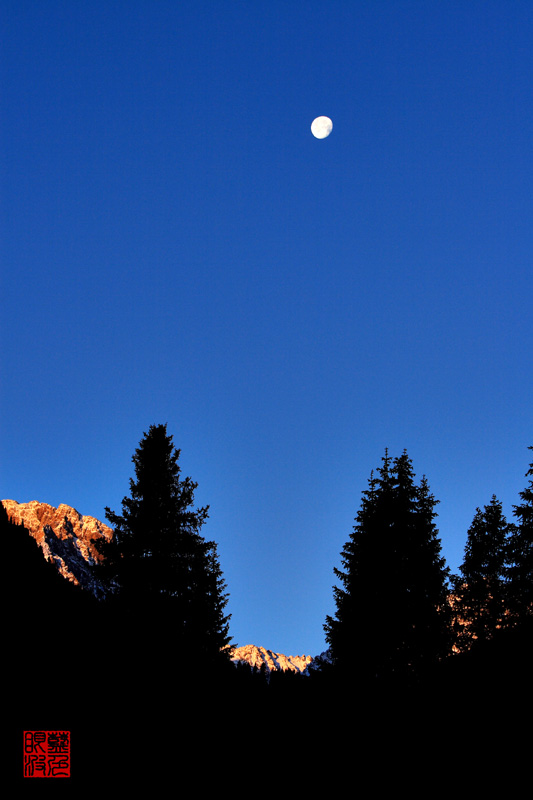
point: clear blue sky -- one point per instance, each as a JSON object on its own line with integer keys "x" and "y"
{"x": 177, "y": 247}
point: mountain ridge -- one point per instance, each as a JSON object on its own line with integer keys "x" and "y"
{"x": 261, "y": 657}
{"x": 67, "y": 539}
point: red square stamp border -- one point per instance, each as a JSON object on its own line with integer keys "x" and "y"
{"x": 46, "y": 754}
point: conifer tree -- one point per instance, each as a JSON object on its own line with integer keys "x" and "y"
{"x": 392, "y": 615}
{"x": 165, "y": 573}
{"x": 520, "y": 557}
{"x": 480, "y": 590}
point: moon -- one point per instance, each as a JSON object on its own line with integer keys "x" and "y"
{"x": 321, "y": 127}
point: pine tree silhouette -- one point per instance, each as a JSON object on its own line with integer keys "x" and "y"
{"x": 520, "y": 557}
{"x": 480, "y": 590}
{"x": 392, "y": 618}
{"x": 169, "y": 588}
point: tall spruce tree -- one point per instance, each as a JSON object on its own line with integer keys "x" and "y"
{"x": 520, "y": 557}
{"x": 167, "y": 577}
{"x": 480, "y": 590}
{"x": 392, "y": 616}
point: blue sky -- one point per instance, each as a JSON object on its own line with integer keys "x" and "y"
{"x": 178, "y": 248}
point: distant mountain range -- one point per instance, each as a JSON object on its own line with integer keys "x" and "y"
{"x": 67, "y": 538}
{"x": 257, "y": 657}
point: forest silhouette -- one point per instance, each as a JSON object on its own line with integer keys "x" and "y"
{"x": 408, "y": 641}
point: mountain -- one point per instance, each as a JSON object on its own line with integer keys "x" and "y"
{"x": 67, "y": 539}
{"x": 259, "y": 656}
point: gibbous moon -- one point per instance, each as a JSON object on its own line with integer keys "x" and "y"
{"x": 321, "y": 127}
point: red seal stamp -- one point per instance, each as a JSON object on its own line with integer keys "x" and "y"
{"x": 47, "y": 754}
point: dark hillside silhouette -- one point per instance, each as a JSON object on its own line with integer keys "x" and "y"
{"x": 52, "y": 651}
{"x": 143, "y": 666}
{"x": 50, "y": 612}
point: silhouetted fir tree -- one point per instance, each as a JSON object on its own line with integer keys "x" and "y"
{"x": 520, "y": 557}
{"x": 431, "y": 633}
{"x": 480, "y": 590}
{"x": 352, "y": 634}
{"x": 392, "y": 617}
{"x": 169, "y": 586}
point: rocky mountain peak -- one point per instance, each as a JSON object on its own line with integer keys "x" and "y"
{"x": 66, "y": 537}
{"x": 259, "y": 656}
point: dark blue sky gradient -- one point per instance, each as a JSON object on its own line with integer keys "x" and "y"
{"x": 178, "y": 248}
